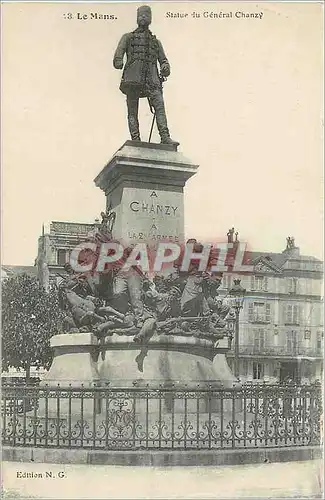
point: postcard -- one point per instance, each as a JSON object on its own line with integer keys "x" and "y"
{"x": 162, "y": 250}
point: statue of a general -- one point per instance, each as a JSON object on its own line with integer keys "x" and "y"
{"x": 140, "y": 76}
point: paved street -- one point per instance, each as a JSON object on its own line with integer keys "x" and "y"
{"x": 278, "y": 480}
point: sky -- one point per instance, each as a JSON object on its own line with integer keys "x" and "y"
{"x": 244, "y": 99}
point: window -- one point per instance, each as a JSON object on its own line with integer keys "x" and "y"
{"x": 259, "y": 339}
{"x": 317, "y": 310}
{"x": 309, "y": 370}
{"x": 319, "y": 341}
{"x": 61, "y": 257}
{"x": 245, "y": 367}
{"x": 307, "y": 334}
{"x": 293, "y": 286}
{"x": 259, "y": 309}
{"x": 292, "y": 342}
{"x": 258, "y": 370}
{"x": 292, "y": 314}
{"x": 259, "y": 312}
{"x": 259, "y": 283}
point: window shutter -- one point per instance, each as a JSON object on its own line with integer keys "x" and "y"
{"x": 252, "y": 283}
{"x": 250, "y": 311}
{"x": 316, "y": 312}
{"x": 289, "y": 343}
{"x": 301, "y": 318}
{"x": 266, "y": 283}
{"x": 260, "y": 283}
{"x": 289, "y": 314}
{"x": 268, "y": 312}
{"x": 256, "y": 338}
{"x": 225, "y": 281}
{"x": 295, "y": 314}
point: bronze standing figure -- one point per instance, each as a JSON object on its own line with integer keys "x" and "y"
{"x": 141, "y": 77}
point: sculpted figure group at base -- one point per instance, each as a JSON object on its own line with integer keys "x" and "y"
{"x": 128, "y": 303}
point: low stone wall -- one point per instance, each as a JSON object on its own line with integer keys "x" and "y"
{"x": 162, "y": 458}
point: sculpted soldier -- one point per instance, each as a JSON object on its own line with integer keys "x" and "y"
{"x": 140, "y": 76}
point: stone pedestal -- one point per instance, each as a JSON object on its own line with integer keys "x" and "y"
{"x": 170, "y": 359}
{"x": 143, "y": 184}
{"x": 172, "y": 363}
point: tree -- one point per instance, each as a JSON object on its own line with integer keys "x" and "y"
{"x": 30, "y": 317}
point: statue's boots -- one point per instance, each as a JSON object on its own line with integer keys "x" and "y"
{"x": 134, "y": 128}
{"x": 168, "y": 140}
{"x": 140, "y": 358}
{"x": 135, "y": 135}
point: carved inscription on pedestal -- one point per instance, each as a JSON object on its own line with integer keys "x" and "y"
{"x": 158, "y": 213}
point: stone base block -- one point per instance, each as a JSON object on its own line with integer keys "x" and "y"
{"x": 163, "y": 458}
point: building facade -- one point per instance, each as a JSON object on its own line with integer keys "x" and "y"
{"x": 56, "y": 244}
{"x": 281, "y": 329}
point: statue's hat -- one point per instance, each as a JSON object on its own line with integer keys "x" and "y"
{"x": 144, "y": 8}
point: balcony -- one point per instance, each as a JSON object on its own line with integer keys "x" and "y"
{"x": 278, "y": 351}
{"x": 259, "y": 318}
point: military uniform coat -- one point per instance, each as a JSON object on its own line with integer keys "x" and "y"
{"x": 143, "y": 50}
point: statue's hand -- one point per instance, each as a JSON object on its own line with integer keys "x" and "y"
{"x": 165, "y": 70}
{"x": 118, "y": 64}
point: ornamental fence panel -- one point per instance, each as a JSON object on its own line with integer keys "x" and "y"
{"x": 173, "y": 418}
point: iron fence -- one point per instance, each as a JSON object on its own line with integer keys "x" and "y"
{"x": 162, "y": 418}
